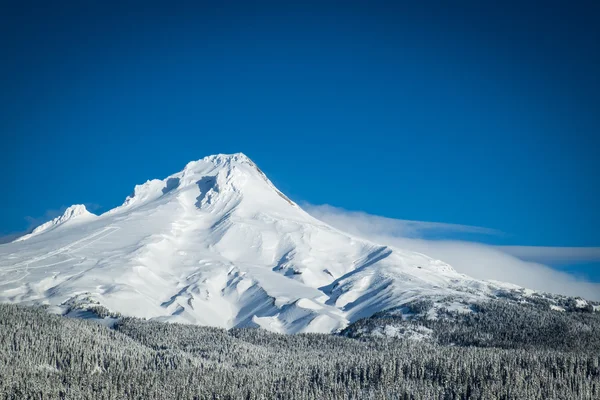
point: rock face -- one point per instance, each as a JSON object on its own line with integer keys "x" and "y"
{"x": 218, "y": 244}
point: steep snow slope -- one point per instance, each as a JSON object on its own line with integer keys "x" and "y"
{"x": 218, "y": 244}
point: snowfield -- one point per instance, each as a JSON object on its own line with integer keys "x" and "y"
{"x": 217, "y": 244}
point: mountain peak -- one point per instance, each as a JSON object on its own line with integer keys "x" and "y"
{"x": 229, "y": 172}
{"x": 74, "y": 211}
{"x": 218, "y": 161}
{"x": 235, "y": 157}
{"x": 220, "y": 176}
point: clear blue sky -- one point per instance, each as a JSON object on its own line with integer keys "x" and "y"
{"x": 453, "y": 112}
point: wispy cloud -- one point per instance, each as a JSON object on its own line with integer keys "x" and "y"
{"x": 521, "y": 265}
{"x": 92, "y": 207}
{"x": 554, "y": 255}
{"x": 390, "y": 226}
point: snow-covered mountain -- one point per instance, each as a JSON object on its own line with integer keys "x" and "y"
{"x": 218, "y": 244}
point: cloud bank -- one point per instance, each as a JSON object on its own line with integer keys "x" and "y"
{"x": 521, "y": 265}
{"x": 377, "y": 225}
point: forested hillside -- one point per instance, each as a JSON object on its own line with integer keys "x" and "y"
{"x": 44, "y": 356}
{"x": 500, "y": 323}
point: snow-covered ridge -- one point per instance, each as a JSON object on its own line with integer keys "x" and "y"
{"x": 75, "y": 211}
{"x": 218, "y": 244}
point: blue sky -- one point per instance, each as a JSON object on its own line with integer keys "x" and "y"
{"x": 459, "y": 113}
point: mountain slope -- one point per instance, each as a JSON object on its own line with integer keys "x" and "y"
{"x": 218, "y": 244}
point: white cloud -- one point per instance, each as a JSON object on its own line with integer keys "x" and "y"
{"x": 510, "y": 264}
{"x": 554, "y": 255}
{"x": 389, "y": 226}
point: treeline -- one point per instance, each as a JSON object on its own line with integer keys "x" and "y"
{"x": 44, "y": 356}
{"x": 498, "y": 323}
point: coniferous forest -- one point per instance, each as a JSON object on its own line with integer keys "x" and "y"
{"x": 503, "y": 351}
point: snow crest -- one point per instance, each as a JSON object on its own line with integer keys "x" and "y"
{"x": 75, "y": 211}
